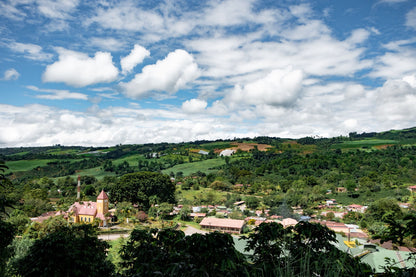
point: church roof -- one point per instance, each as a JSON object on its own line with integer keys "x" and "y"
{"x": 86, "y": 208}
{"x": 102, "y": 196}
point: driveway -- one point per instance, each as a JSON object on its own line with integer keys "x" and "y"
{"x": 191, "y": 230}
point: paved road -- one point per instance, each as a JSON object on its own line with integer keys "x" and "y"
{"x": 188, "y": 231}
{"x": 112, "y": 236}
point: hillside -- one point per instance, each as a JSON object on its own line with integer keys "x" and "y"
{"x": 273, "y": 177}
{"x": 187, "y": 158}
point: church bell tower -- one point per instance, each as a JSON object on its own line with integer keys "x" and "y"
{"x": 102, "y": 203}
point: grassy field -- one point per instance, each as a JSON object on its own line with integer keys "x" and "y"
{"x": 203, "y": 194}
{"x": 20, "y": 153}
{"x": 62, "y": 151}
{"x": 96, "y": 172}
{"x": 216, "y": 145}
{"x": 25, "y": 165}
{"x": 203, "y": 166}
{"x": 132, "y": 160}
{"x": 365, "y": 143}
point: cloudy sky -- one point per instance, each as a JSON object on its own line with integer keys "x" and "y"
{"x": 101, "y": 73}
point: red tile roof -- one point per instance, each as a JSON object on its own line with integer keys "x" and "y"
{"x": 222, "y": 222}
{"x": 354, "y": 206}
{"x": 86, "y": 208}
{"x": 102, "y": 196}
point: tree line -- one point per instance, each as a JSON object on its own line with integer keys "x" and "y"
{"x": 303, "y": 250}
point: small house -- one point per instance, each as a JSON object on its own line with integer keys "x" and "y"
{"x": 223, "y": 225}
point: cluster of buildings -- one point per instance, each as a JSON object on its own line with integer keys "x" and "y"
{"x": 83, "y": 211}
{"x": 224, "y": 224}
{"x": 98, "y": 211}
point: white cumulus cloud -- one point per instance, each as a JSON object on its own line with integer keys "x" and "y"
{"x": 194, "y": 105}
{"x": 395, "y": 101}
{"x": 79, "y": 70}
{"x": 56, "y": 94}
{"x": 167, "y": 75}
{"x": 411, "y": 80}
{"x": 56, "y": 9}
{"x": 358, "y": 36}
{"x": 411, "y": 18}
{"x": 109, "y": 44}
{"x": 399, "y": 62}
{"x": 30, "y": 51}
{"x": 135, "y": 57}
{"x": 126, "y": 16}
{"x": 11, "y": 74}
{"x": 278, "y": 88}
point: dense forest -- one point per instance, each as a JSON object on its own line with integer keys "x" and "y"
{"x": 272, "y": 175}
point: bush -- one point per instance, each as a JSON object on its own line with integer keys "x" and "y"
{"x": 141, "y": 216}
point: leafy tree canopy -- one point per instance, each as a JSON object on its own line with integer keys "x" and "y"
{"x": 68, "y": 251}
{"x": 140, "y": 187}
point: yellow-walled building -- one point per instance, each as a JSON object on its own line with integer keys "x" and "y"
{"x": 88, "y": 211}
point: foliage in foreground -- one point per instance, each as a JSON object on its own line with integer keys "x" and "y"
{"x": 69, "y": 251}
{"x": 304, "y": 250}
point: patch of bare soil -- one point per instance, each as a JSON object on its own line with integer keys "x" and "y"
{"x": 384, "y": 146}
{"x": 248, "y": 146}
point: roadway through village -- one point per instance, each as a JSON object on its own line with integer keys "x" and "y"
{"x": 188, "y": 231}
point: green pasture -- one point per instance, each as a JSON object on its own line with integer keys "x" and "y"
{"x": 203, "y": 166}
{"x": 202, "y": 196}
{"x": 131, "y": 160}
{"x": 366, "y": 143}
{"x": 25, "y": 165}
{"x": 97, "y": 172}
{"x": 215, "y": 145}
{"x": 20, "y": 153}
{"x": 63, "y": 151}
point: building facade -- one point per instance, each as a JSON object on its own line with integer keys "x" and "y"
{"x": 89, "y": 211}
{"x": 223, "y": 225}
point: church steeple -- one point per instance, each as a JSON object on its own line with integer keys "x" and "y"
{"x": 102, "y": 203}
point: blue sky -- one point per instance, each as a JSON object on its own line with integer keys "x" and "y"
{"x": 100, "y": 73}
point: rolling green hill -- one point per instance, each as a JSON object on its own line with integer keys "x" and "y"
{"x": 58, "y": 161}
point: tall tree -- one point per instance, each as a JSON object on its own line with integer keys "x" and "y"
{"x": 69, "y": 251}
{"x": 7, "y": 230}
{"x": 170, "y": 253}
{"x": 303, "y": 250}
{"x": 5, "y": 187}
{"x": 140, "y": 187}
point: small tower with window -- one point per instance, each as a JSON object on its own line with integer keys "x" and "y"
{"x": 102, "y": 203}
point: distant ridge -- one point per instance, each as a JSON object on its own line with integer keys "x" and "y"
{"x": 401, "y": 135}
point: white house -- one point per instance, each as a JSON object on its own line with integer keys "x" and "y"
{"x": 227, "y": 152}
